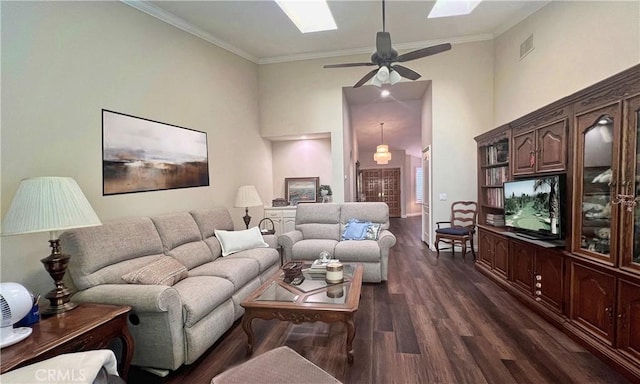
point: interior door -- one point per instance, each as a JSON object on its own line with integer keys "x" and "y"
{"x": 427, "y": 228}
{"x": 383, "y": 184}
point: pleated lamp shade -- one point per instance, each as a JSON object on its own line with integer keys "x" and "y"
{"x": 48, "y": 204}
{"x": 248, "y": 197}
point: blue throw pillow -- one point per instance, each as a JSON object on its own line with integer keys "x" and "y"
{"x": 355, "y": 230}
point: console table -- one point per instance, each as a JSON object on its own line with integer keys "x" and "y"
{"x": 87, "y": 327}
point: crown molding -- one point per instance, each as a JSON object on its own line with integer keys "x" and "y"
{"x": 514, "y": 22}
{"x": 370, "y": 50}
{"x": 179, "y": 23}
{"x": 169, "y": 18}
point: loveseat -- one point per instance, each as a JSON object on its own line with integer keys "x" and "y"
{"x": 320, "y": 227}
{"x": 187, "y": 294}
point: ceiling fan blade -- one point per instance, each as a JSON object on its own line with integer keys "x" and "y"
{"x": 424, "y": 52}
{"x": 366, "y": 78}
{"x": 406, "y": 72}
{"x": 383, "y": 44}
{"x": 349, "y": 65}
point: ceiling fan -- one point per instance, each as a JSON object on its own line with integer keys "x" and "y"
{"x": 385, "y": 56}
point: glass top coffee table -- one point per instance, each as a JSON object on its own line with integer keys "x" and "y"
{"x": 312, "y": 300}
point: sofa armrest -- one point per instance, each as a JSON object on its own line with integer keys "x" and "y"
{"x": 286, "y": 241}
{"x": 157, "y": 325}
{"x": 386, "y": 239}
{"x": 142, "y": 298}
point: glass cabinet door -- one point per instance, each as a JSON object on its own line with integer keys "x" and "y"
{"x": 595, "y": 221}
{"x": 629, "y": 206}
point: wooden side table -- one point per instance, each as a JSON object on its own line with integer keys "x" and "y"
{"x": 87, "y": 327}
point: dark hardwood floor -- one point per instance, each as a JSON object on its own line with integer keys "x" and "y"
{"x": 434, "y": 321}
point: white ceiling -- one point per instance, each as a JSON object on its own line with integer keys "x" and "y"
{"x": 259, "y": 31}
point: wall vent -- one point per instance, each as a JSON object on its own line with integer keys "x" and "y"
{"x": 526, "y": 47}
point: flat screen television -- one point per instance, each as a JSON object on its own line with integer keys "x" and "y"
{"x": 533, "y": 206}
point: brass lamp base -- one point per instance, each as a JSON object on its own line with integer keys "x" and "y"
{"x": 56, "y": 265}
{"x": 246, "y": 217}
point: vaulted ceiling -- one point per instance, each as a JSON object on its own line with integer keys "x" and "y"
{"x": 259, "y": 31}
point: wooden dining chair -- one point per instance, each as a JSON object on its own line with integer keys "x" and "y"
{"x": 461, "y": 227}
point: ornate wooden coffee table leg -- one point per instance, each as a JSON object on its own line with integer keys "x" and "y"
{"x": 246, "y": 326}
{"x": 351, "y": 334}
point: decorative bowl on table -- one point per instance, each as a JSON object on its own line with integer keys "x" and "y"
{"x": 292, "y": 270}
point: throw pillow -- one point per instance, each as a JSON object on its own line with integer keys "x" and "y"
{"x": 355, "y": 229}
{"x": 373, "y": 231}
{"x": 236, "y": 241}
{"x": 164, "y": 271}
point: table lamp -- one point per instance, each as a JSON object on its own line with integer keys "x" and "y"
{"x": 247, "y": 197}
{"x": 50, "y": 204}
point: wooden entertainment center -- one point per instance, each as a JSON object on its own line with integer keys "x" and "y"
{"x": 589, "y": 284}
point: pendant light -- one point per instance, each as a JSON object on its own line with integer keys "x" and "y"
{"x": 382, "y": 155}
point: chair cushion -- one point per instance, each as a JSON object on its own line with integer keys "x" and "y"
{"x": 456, "y": 231}
{"x": 360, "y": 251}
{"x": 201, "y": 295}
{"x": 239, "y": 271}
{"x": 266, "y": 257}
{"x": 310, "y": 249}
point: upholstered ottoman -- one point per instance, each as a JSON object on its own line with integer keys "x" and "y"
{"x": 280, "y": 365}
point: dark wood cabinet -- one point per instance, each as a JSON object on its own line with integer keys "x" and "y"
{"x": 549, "y": 278}
{"x": 538, "y": 271}
{"x": 629, "y": 196}
{"x": 541, "y": 150}
{"x": 522, "y": 256}
{"x": 590, "y": 287}
{"x": 493, "y": 170}
{"x": 493, "y": 252}
{"x": 596, "y": 180}
{"x": 628, "y": 318}
{"x": 592, "y": 301}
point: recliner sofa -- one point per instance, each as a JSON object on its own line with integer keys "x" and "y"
{"x": 173, "y": 325}
{"x": 319, "y": 227}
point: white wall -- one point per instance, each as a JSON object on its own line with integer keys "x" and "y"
{"x": 62, "y": 62}
{"x": 350, "y": 153}
{"x": 411, "y": 163}
{"x": 301, "y": 158}
{"x": 577, "y": 43}
{"x": 302, "y": 97}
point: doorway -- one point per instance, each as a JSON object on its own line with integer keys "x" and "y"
{"x": 427, "y": 228}
{"x": 383, "y": 184}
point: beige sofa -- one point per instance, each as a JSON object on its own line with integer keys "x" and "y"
{"x": 319, "y": 227}
{"x": 171, "y": 324}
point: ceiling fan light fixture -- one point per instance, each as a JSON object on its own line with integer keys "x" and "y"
{"x": 394, "y": 77}
{"x": 376, "y": 82}
{"x": 383, "y": 74}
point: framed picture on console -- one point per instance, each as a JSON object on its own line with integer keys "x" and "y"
{"x": 140, "y": 155}
{"x": 301, "y": 189}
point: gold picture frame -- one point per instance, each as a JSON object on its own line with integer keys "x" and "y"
{"x": 301, "y": 189}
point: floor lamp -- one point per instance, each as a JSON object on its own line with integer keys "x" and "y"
{"x": 247, "y": 197}
{"x": 50, "y": 204}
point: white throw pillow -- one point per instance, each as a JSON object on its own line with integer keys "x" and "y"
{"x": 236, "y": 241}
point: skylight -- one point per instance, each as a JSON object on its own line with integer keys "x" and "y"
{"x": 446, "y": 8}
{"x": 309, "y": 15}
